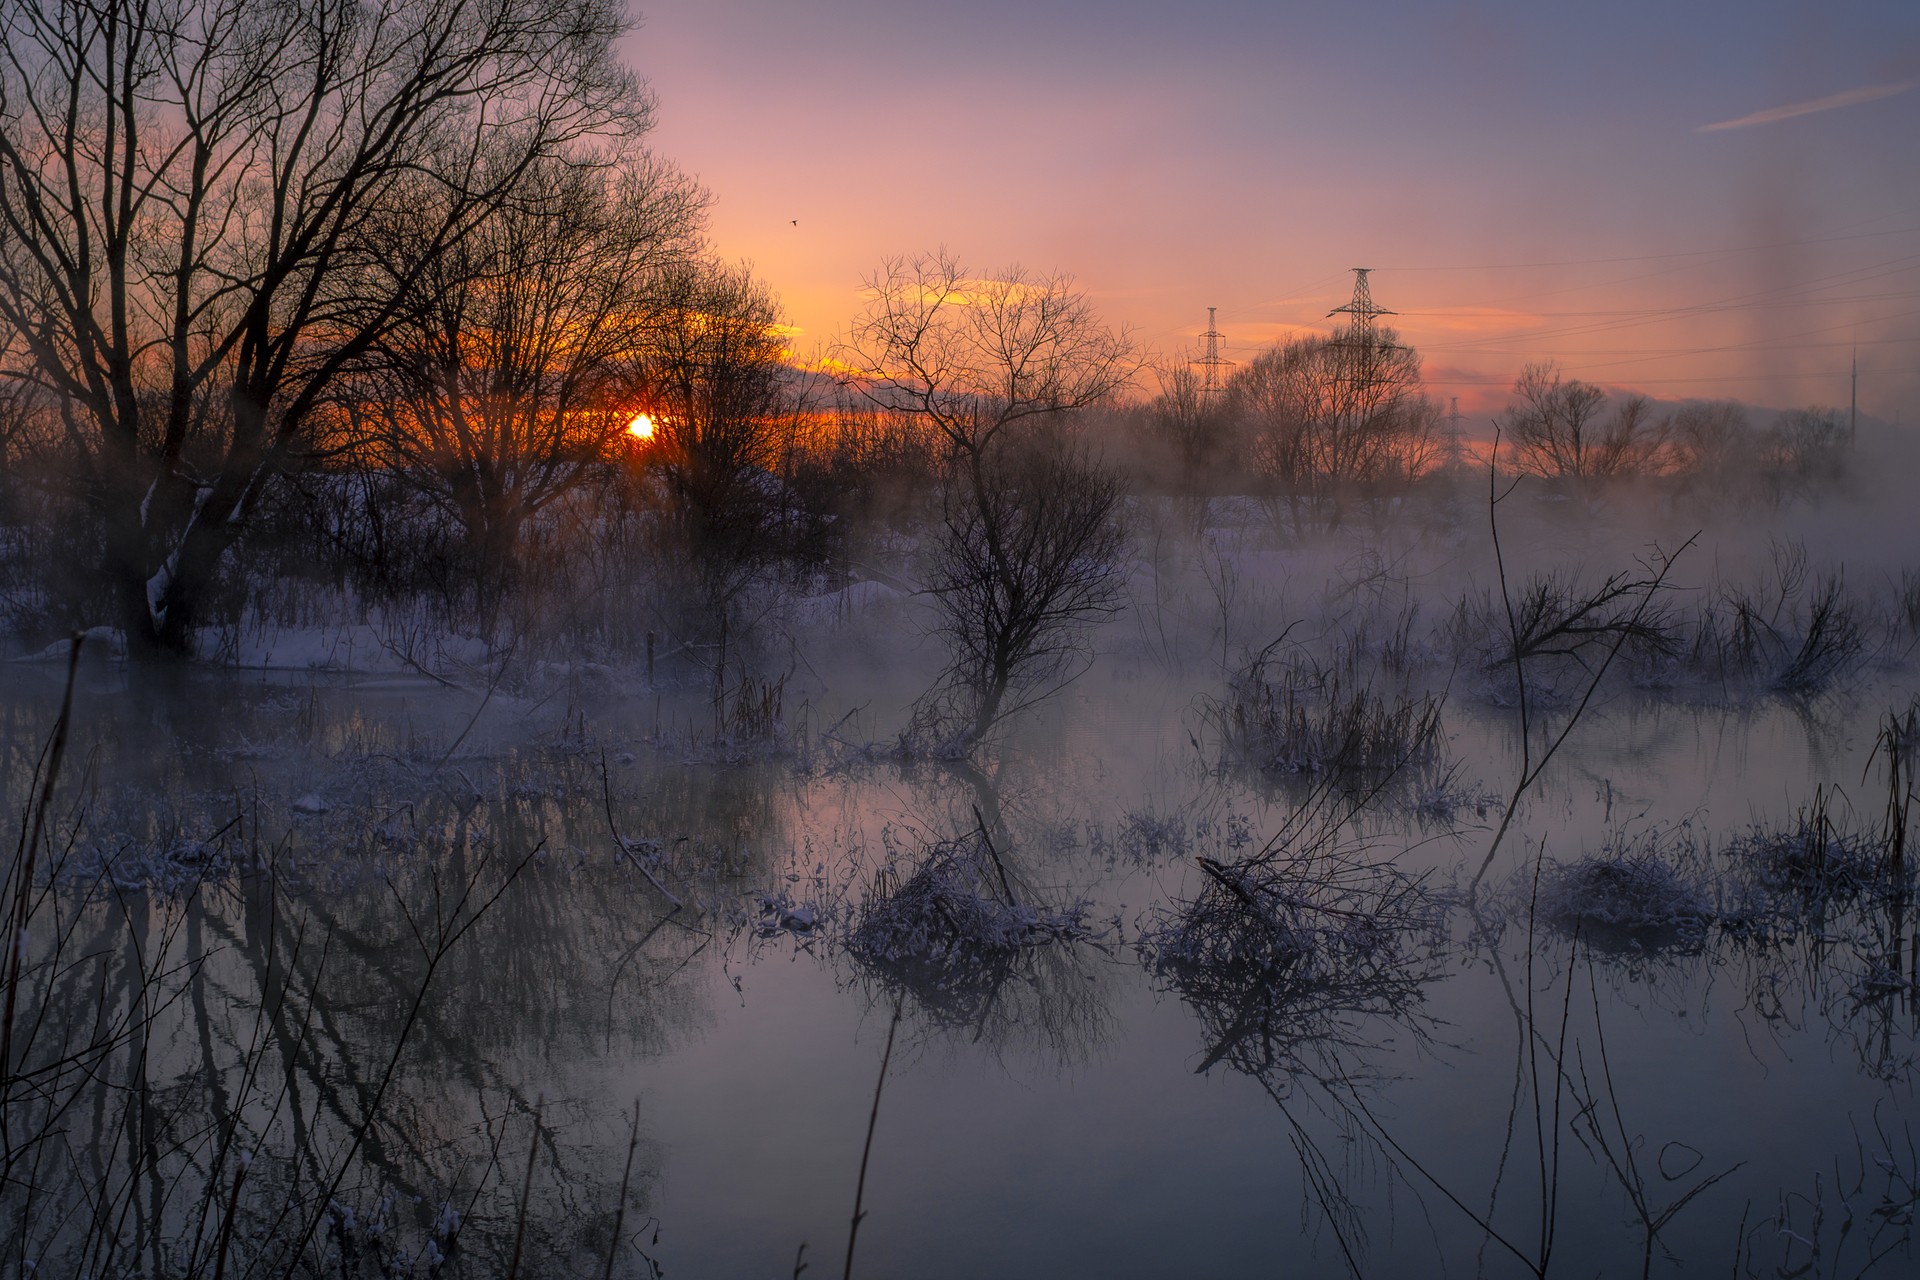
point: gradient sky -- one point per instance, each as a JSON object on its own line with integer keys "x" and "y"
{"x": 1691, "y": 199}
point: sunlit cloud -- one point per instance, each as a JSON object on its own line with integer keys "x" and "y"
{"x": 1832, "y": 102}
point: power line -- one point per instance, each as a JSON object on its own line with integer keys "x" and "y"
{"x": 1664, "y": 257}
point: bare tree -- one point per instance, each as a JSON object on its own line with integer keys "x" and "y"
{"x": 185, "y": 192}
{"x": 1025, "y": 563}
{"x": 513, "y": 367}
{"x": 721, "y": 389}
{"x": 1715, "y": 450}
{"x": 1807, "y": 444}
{"x": 1188, "y": 422}
{"x": 1563, "y": 429}
{"x": 1029, "y": 550}
{"x": 1334, "y": 421}
{"x": 973, "y": 356}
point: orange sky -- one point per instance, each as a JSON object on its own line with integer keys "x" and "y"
{"x": 1721, "y": 202}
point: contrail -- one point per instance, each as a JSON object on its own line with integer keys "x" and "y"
{"x": 1832, "y": 102}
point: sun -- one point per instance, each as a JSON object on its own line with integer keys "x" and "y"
{"x": 641, "y": 428}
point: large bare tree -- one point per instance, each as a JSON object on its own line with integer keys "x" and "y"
{"x": 723, "y": 396}
{"x": 186, "y": 188}
{"x": 516, "y": 363}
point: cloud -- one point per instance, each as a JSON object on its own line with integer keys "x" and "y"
{"x": 1832, "y": 102}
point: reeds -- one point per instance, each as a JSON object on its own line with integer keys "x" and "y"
{"x": 1324, "y": 723}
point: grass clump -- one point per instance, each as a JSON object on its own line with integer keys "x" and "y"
{"x": 1785, "y": 879}
{"x": 1332, "y": 723}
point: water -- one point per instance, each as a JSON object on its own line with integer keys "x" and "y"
{"x": 1065, "y": 1129}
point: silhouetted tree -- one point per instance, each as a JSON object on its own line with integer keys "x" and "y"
{"x": 186, "y": 192}
{"x": 1334, "y": 421}
{"x": 1026, "y": 560}
{"x": 722, "y": 397}
{"x": 1189, "y": 424}
{"x": 1029, "y": 550}
{"x": 1564, "y": 429}
{"x": 516, "y": 362}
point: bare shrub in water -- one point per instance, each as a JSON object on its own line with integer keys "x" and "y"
{"x": 1629, "y": 893}
{"x": 1028, "y": 558}
{"x": 1563, "y": 630}
{"x": 1284, "y": 957}
{"x": 1783, "y": 880}
{"x": 1793, "y": 631}
{"x": 951, "y": 931}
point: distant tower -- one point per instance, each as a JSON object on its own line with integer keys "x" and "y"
{"x": 1362, "y": 339}
{"x": 1455, "y": 449}
{"x": 1361, "y": 309}
{"x": 1212, "y": 362}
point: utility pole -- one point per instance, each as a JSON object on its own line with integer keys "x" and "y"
{"x": 1212, "y": 362}
{"x": 1853, "y": 401}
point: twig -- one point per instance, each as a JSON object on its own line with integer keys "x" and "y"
{"x": 606, "y": 799}
{"x": 994, "y": 853}
{"x": 873, "y": 1118}
{"x": 626, "y": 1176}
{"x": 526, "y": 1190}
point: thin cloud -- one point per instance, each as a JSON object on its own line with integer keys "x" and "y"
{"x": 1832, "y": 102}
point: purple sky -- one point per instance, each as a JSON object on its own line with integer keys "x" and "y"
{"x": 1700, "y": 199}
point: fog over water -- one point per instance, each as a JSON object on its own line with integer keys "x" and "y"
{"x": 1084, "y": 1103}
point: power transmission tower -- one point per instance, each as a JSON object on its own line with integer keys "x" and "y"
{"x": 1362, "y": 309}
{"x": 1456, "y": 454}
{"x": 1361, "y": 340}
{"x": 1212, "y": 361}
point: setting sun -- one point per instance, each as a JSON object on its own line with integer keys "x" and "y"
{"x": 641, "y": 428}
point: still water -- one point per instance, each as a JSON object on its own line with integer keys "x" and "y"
{"x": 1535, "y": 1099}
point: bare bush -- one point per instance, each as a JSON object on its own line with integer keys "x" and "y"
{"x": 1628, "y": 894}
{"x": 1286, "y": 958}
{"x": 951, "y": 931}
{"x": 1796, "y": 632}
{"x": 1559, "y": 633}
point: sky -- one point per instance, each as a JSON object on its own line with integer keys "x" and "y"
{"x": 1692, "y": 200}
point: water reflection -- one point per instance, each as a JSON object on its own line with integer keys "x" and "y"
{"x": 256, "y": 923}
